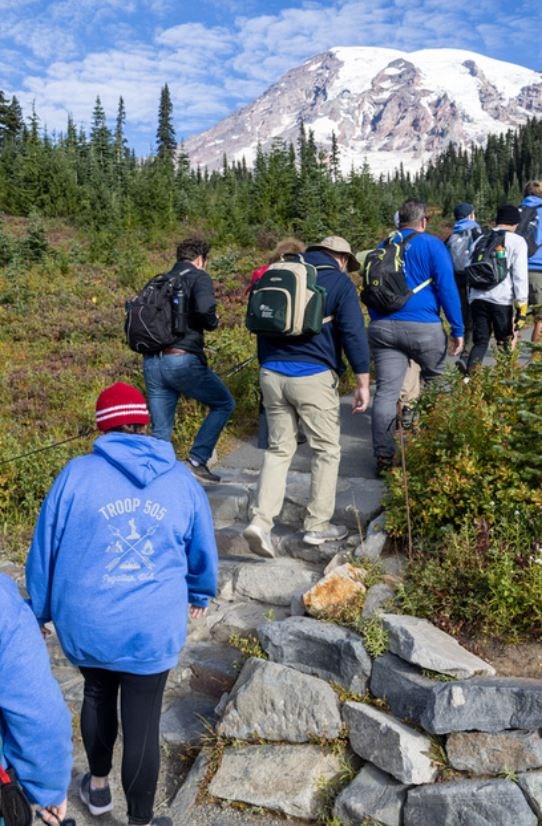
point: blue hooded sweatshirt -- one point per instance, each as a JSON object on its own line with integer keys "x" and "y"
{"x": 427, "y": 257}
{"x": 124, "y": 542}
{"x": 35, "y": 725}
{"x": 535, "y": 261}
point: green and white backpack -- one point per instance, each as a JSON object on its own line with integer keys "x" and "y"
{"x": 286, "y": 300}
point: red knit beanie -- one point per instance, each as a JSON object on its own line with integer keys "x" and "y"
{"x": 121, "y": 404}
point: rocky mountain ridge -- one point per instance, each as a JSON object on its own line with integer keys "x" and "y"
{"x": 385, "y": 107}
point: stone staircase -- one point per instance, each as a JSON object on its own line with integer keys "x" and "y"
{"x": 251, "y": 591}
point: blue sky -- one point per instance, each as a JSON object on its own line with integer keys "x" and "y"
{"x": 217, "y": 55}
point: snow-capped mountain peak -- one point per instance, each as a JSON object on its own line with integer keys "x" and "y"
{"x": 384, "y": 106}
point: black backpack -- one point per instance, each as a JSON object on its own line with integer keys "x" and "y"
{"x": 488, "y": 265}
{"x": 528, "y": 228}
{"x": 384, "y": 284}
{"x": 158, "y": 314}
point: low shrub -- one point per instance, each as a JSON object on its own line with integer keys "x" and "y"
{"x": 474, "y": 503}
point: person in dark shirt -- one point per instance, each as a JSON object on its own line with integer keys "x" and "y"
{"x": 181, "y": 369}
{"x": 299, "y": 378}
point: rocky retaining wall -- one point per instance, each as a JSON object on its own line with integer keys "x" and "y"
{"x": 433, "y": 736}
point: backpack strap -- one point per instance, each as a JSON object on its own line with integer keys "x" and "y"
{"x": 328, "y": 318}
{"x": 392, "y": 239}
{"x": 420, "y": 287}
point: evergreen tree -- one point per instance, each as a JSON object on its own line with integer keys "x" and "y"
{"x": 165, "y": 134}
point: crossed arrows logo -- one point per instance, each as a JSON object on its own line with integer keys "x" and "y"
{"x": 131, "y": 548}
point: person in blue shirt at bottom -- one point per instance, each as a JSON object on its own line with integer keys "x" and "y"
{"x": 124, "y": 544}
{"x": 415, "y": 331}
{"x": 35, "y": 725}
{"x": 299, "y": 380}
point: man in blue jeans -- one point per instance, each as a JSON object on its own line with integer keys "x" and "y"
{"x": 415, "y": 331}
{"x": 181, "y": 369}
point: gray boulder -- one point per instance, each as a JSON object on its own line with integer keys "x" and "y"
{"x": 186, "y": 798}
{"x": 214, "y": 667}
{"x": 274, "y": 581}
{"x": 392, "y": 746}
{"x": 531, "y": 785}
{"x": 478, "y": 704}
{"x": 284, "y": 778}
{"x": 242, "y": 618}
{"x": 294, "y": 546}
{"x": 482, "y": 753}
{"x": 229, "y": 503}
{"x": 358, "y": 502}
{"x": 319, "y": 648}
{"x": 372, "y": 547}
{"x": 472, "y": 802}
{"x": 372, "y": 794}
{"x": 377, "y": 598}
{"x": 273, "y": 702}
{"x": 187, "y": 720}
{"x": 421, "y": 643}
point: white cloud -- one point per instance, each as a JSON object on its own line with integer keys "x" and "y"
{"x": 210, "y": 68}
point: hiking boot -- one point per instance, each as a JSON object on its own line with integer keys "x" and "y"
{"x": 157, "y": 821}
{"x": 259, "y": 541}
{"x": 98, "y": 801}
{"x": 333, "y": 532}
{"x": 201, "y": 470}
{"x": 383, "y": 463}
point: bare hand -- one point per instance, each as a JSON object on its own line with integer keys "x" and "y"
{"x": 54, "y": 814}
{"x": 196, "y": 612}
{"x": 455, "y": 345}
{"x": 361, "y": 400}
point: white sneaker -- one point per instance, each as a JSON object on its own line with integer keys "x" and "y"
{"x": 334, "y": 532}
{"x": 259, "y": 541}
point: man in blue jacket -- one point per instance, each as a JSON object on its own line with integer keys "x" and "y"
{"x": 35, "y": 725}
{"x": 124, "y": 544}
{"x": 533, "y": 199}
{"x": 415, "y": 331}
{"x": 299, "y": 379}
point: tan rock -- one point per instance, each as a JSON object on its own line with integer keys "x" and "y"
{"x": 341, "y": 586}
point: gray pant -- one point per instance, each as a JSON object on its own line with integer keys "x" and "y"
{"x": 392, "y": 344}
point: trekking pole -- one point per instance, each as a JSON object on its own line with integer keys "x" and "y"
{"x": 237, "y": 368}
{"x": 83, "y": 433}
{"x": 405, "y": 478}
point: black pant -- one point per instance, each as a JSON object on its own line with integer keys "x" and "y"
{"x": 489, "y": 318}
{"x": 461, "y": 281}
{"x": 140, "y": 704}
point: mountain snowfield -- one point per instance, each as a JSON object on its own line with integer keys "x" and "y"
{"x": 385, "y": 106}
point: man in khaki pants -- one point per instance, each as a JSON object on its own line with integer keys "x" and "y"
{"x": 299, "y": 379}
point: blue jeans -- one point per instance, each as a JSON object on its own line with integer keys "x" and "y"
{"x": 392, "y": 344}
{"x": 167, "y": 378}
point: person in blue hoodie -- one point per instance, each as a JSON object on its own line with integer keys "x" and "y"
{"x": 460, "y": 243}
{"x": 299, "y": 380}
{"x": 35, "y": 725}
{"x": 533, "y": 199}
{"x": 124, "y": 544}
{"x": 415, "y": 331}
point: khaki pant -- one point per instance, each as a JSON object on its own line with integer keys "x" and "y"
{"x": 315, "y": 400}
{"x": 410, "y": 391}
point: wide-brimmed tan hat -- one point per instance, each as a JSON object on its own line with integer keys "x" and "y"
{"x": 334, "y": 243}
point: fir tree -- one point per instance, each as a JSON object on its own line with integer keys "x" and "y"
{"x": 165, "y": 134}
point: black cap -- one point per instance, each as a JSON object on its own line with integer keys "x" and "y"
{"x": 462, "y": 210}
{"x": 508, "y": 214}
